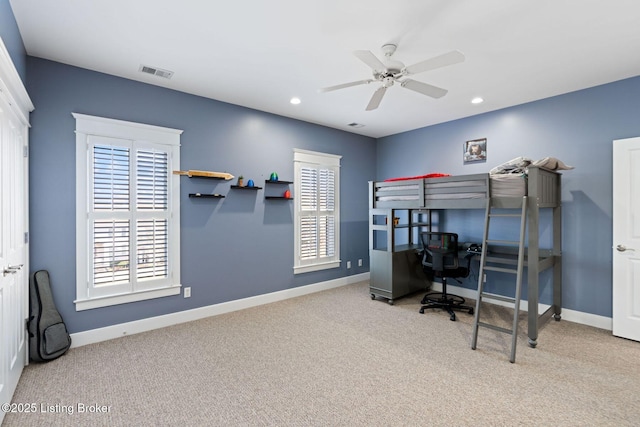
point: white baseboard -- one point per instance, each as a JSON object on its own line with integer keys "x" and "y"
{"x": 116, "y": 331}
{"x": 588, "y": 319}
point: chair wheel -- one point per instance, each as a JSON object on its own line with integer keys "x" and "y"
{"x": 422, "y": 311}
{"x": 373, "y": 296}
{"x": 452, "y": 318}
{"x": 471, "y": 311}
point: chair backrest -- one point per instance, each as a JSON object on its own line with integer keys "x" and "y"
{"x": 440, "y": 251}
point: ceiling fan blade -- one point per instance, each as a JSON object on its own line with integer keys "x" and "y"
{"x": 370, "y": 59}
{"x": 423, "y": 88}
{"x": 376, "y": 98}
{"x": 344, "y": 85}
{"x": 450, "y": 58}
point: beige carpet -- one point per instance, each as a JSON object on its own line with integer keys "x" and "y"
{"x": 337, "y": 358}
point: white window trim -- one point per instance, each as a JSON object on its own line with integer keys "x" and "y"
{"x": 99, "y": 126}
{"x": 301, "y": 157}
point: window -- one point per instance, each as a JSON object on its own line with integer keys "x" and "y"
{"x": 127, "y": 212}
{"x": 317, "y": 216}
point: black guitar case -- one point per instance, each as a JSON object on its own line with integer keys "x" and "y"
{"x": 48, "y": 336}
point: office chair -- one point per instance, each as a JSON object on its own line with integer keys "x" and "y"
{"x": 440, "y": 259}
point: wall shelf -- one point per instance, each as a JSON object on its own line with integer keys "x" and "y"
{"x": 208, "y": 177}
{"x": 268, "y": 181}
{"x": 207, "y": 196}
{"x": 201, "y": 175}
{"x": 244, "y": 187}
{"x": 218, "y": 178}
{"x": 192, "y": 173}
{"x": 278, "y": 182}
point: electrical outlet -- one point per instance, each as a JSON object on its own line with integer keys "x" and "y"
{"x": 187, "y": 292}
{"x": 348, "y": 264}
{"x": 360, "y": 262}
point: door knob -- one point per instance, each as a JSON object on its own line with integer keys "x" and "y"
{"x": 622, "y": 248}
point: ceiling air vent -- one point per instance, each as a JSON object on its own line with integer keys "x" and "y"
{"x": 165, "y": 74}
{"x": 355, "y": 125}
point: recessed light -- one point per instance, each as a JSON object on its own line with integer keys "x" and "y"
{"x": 355, "y": 125}
{"x": 295, "y": 101}
{"x": 477, "y": 100}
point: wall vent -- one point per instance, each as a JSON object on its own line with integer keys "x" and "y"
{"x": 355, "y": 125}
{"x": 165, "y": 74}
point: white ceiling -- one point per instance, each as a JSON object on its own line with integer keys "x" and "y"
{"x": 259, "y": 53}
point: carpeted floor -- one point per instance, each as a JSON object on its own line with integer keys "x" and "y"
{"x": 338, "y": 358}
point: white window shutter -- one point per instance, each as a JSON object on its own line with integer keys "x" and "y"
{"x": 317, "y": 211}
{"x": 152, "y": 180}
{"x": 111, "y": 259}
{"x": 111, "y": 189}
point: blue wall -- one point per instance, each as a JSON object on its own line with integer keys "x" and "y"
{"x": 577, "y": 128}
{"x": 231, "y": 248}
{"x": 12, "y": 40}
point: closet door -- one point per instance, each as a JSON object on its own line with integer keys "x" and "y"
{"x": 13, "y": 249}
{"x": 626, "y": 238}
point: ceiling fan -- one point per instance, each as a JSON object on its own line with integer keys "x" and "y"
{"x": 390, "y": 71}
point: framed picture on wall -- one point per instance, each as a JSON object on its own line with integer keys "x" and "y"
{"x": 475, "y": 150}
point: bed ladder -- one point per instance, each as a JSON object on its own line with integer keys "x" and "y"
{"x": 487, "y": 259}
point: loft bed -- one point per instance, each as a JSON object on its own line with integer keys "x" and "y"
{"x": 541, "y": 186}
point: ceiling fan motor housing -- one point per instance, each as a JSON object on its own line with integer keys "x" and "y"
{"x": 394, "y": 67}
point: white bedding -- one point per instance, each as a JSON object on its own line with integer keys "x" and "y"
{"x": 521, "y": 164}
{"x": 552, "y": 163}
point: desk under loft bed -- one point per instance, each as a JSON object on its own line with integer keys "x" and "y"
{"x": 407, "y": 207}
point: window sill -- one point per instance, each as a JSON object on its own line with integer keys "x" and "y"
{"x": 87, "y": 304}
{"x": 315, "y": 267}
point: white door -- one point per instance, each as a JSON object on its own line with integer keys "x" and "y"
{"x": 13, "y": 250}
{"x": 626, "y": 238}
